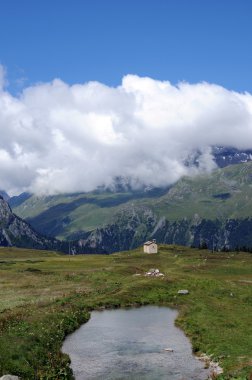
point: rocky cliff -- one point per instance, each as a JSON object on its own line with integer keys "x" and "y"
{"x": 135, "y": 225}
{"x": 17, "y": 232}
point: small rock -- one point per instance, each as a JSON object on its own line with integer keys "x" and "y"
{"x": 183, "y": 291}
{"x": 169, "y": 349}
{"x": 9, "y": 377}
{"x": 154, "y": 273}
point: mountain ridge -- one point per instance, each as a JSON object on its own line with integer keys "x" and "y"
{"x": 16, "y": 232}
{"x": 207, "y": 208}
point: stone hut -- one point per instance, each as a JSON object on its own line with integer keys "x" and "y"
{"x": 150, "y": 246}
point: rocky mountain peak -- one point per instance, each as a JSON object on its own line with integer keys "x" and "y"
{"x": 17, "y": 232}
{"x": 5, "y": 211}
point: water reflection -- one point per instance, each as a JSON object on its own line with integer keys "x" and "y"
{"x": 130, "y": 344}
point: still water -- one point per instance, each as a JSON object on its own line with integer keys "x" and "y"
{"x": 130, "y": 344}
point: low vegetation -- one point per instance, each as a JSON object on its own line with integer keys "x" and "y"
{"x": 44, "y": 296}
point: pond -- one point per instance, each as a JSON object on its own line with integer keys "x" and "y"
{"x": 130, "y": 344}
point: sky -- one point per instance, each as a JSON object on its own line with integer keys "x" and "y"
{"x": 103, "y": 40}
{"x": 93, "y": 90}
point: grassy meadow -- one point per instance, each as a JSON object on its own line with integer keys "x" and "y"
{"x": 45, "y": 295}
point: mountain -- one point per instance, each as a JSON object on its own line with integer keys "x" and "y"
{"x": 17, "y": 200}
{"x": 138, "y": 225}
{"x": 4, "y": 195}
{"x": 67, "y": 215}
{"x": 215, "y": 209}
{"x": 222, "y": 155}
{"x": 17, "y": 232}
{"x": 225, "y": 156}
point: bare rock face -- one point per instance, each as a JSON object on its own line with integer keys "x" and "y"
{"x": 15, "y": 231}
{"x": 5, "y": 210}
{"x": 132, "y": 226}
{"x": 5, "y": 196}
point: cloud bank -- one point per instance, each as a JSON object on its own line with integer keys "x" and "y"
{"x": 59, "y": 138}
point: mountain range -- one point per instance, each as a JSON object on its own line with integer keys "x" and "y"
{"x": 212, "y": 209}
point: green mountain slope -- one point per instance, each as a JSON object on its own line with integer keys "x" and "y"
{"x": 65, "y": 214}
{"x": 194, "y": 209}
{"x": 225, "y": 193}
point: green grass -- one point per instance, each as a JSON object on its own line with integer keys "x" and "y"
{"x": 44, "y": 296}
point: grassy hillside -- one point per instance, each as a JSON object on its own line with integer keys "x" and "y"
{"x": 226, "y": 193}
{"x": 44, "y": 296}
{"x": 64, "y": 214}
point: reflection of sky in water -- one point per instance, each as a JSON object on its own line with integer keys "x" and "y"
{"x": 129, "y": 344}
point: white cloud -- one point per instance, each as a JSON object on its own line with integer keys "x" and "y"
{"x": 61, "y": 138}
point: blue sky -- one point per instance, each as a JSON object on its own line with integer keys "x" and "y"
{"x": 103, "y": 40}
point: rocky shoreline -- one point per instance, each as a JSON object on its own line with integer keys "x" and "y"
{"x": 215, "y": 369}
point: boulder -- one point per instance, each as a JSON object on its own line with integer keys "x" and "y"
{"x": 183, "y": 291}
